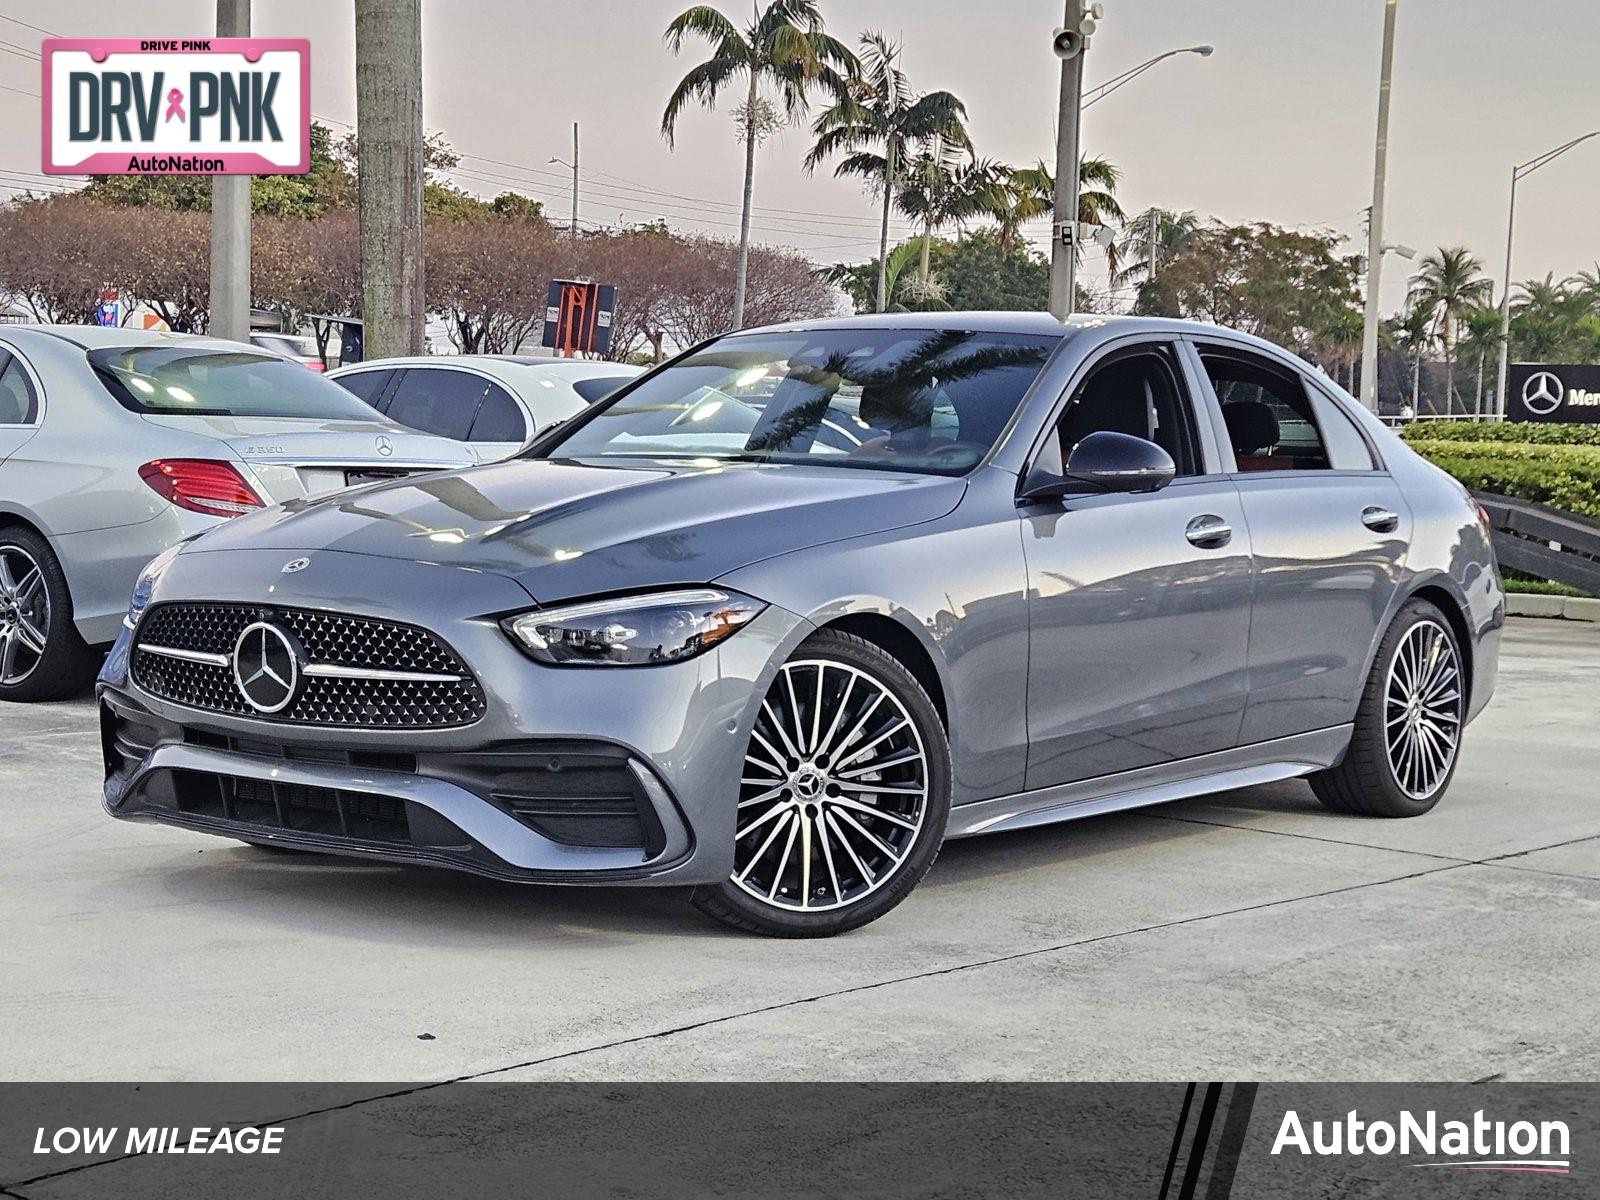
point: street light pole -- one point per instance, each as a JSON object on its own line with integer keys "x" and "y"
{"x": 1369, "y": 325}
{"x": 1101, "y": 90}
{"x": 574, "y": 165}
{"x": 230, "y": 219}
{"x": 1064, "y": 242}
{"x": 1520, "y": 171}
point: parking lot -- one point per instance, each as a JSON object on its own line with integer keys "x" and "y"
{"x": 1248, "y": 935}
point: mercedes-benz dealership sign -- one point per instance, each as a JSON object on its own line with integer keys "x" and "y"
{"x": 200, "y": 106}
{"x": 1553, "y": 392}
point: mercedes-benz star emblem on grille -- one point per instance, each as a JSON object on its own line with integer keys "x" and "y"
{"x": 1541, "y": 394}
{"x": 296, "y": 565}
{"x": 385, "y": 446}
{"x": 266, "y": 667}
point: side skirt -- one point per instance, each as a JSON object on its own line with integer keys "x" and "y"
{"x": 1243, "y": 766}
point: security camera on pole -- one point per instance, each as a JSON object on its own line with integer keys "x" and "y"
{"x": 1070, "y": 42}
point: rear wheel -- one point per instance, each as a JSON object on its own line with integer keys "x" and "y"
{"x": 41, "y": 655}
{"x": 1407, "y": 734}
{"x": 844, "y": 797}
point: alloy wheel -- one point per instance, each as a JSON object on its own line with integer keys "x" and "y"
{"x": 1422, "y": 709}
{"x": 24, "y": 615}
{"x": 834, "y": 791}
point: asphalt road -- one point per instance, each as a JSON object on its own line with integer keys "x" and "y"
{"x": 1249, "y": 935}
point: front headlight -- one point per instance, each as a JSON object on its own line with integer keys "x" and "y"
{"x": 633, "y": 631}
{"x": 146, "y": 583}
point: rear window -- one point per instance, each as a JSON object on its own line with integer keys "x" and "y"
{"x": 599, "y": 388}
{"x": 206, "y": 382}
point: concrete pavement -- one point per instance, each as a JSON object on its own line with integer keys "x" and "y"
{"x": 1247, "y": 935}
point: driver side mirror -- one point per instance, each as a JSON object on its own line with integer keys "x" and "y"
{"x": 1104, "y": 462}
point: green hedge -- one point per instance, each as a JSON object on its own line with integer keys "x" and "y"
{"x": 1562, "y": 476}
{"x": 1540, "y": 433}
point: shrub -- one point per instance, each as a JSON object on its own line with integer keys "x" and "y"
{"x": 1542, "y": 433}
{"x": 1562, "y": 476}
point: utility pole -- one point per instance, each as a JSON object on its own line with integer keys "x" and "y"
{"x": 574, "y": 181}
{"x": 1071, "y": 40}
{"x": 1369, "y": 329}
{"x": 389, "y": 162}
{"x": 230, "y": 219}
{"x": 1155, "y": 234}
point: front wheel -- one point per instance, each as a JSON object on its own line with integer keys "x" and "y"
{"x": 844, "y": 797}
{"x": 1407, "y": 733}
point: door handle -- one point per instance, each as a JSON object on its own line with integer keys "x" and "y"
{"x": 1380, "y": 519}
{"x": 1209, "y": 532}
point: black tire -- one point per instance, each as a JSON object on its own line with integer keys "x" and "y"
{"x": 67, "y": 665}
{"x": 1366, "y": 782}
{"x": 851, "y": 658}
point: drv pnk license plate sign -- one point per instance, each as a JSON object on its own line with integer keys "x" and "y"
{"x": 203, "y": 106}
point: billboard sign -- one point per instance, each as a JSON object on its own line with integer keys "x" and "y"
{"x": 577, "y": 317}
{"x": 1563, "y": 392}
{"x": 203, "y": 106}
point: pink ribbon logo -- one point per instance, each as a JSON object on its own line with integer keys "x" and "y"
{"x": 175, "y": 105}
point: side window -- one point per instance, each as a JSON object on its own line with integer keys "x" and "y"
{"x": 365, "y": 385}
{"x": 1347, "y": 449}
{"x": 19, "y": 404}
{"x": 1138, "y": 393}
{"x": 438, "y": 401}
{"x": 1268, "y": 413}
{"x": 499, "y": 419}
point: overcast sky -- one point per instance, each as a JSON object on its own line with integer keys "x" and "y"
{"x": 1277, "y": 125}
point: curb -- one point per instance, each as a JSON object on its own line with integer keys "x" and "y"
{"x": 1571, "y": 608}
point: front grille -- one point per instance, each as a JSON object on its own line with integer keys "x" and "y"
{"x": 362, "y": 816}
{"x": 329, "y": 639}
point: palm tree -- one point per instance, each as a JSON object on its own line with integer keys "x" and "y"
{"x": 1414, "y": 331}
{"x": 1480, "y": 339}
{"x": 1155, "y": 235}
{"x": 859, "y": 282}
{"x": 785, "y": 46}
{"x": 1030, "y": 193}
{"x": 944, "y": 185}
{"x": 1448, "y": 281}
{"x": 876, "y": 123}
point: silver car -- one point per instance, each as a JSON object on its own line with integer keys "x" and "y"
{"x": 495, "y": 403}
{"x": 1066, "y": 569}
{"x": 117, "y": 443}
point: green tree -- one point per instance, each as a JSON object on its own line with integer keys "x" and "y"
{"x": 1030, "y": 193}
{"x": 944, "y": 186}
{"x": 859, "y": 281}
{"x": 785, "y": 46}
{"x": 1479, "y": 342}
{"x": 1156, "y": 233}
{"x": 975, "y": 273}
{"x": 1448, "y": 281}
{"x": 876, "y": 123}
{"x": 1413, "y": 331}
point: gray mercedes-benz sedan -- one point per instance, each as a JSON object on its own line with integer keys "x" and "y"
{"x": 1057, "y": 569}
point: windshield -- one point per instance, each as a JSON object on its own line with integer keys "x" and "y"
{"x": 925, "y": 400}
{"x": 201, "y": 381}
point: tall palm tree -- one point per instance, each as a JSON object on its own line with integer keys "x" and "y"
{"x": 1030, "y": 193}
{"x": 877, "y": 123}
{"x": 786, "y": 47}
{"x": 1480, "y": 340}
{"x": 943, "y": 185}
{"x": 1414, "y": 331}
{"x": 1448, "y": 280}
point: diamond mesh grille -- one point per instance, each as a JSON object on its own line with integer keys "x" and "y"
{"x": 332, "y": 638}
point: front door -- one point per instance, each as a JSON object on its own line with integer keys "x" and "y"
{"x": 1139, "y": 604}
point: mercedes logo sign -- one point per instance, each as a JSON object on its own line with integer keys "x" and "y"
{"x": 1541, "y": 394}
{"x": 295, "y": 565}
{"x": 385, "y": 446}
{"x": 266, "y": 667}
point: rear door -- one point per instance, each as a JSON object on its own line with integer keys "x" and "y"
{"x": 1328, "y": 529}
{"x": 19, "y": 405}
{"x": 1139, "y": 604}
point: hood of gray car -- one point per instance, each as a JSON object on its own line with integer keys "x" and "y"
{"x": 565, "y": 529}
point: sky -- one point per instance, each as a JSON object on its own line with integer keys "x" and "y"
{"x": 1276, "y": 125}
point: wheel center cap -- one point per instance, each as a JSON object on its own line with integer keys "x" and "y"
{"x": 808, "y": 784}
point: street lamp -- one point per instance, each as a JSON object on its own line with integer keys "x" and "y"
{"x": 1103, "y": 90}
{"x": 1521, "y": 171}
{"x": 574, "y": 167}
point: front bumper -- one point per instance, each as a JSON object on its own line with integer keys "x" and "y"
{"x": 576, "y": 775}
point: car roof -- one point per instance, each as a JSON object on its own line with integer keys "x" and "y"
{"x": 506, "y": 367}
{"x": 95, "y": 337}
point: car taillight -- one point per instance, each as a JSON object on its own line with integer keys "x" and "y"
{"x": 201, "y": 485}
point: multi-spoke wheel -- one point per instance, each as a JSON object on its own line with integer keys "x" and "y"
{"x": 843, "y": 797}
{"x": 1408, "y": 728}
{"x": 41, "y": 655}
